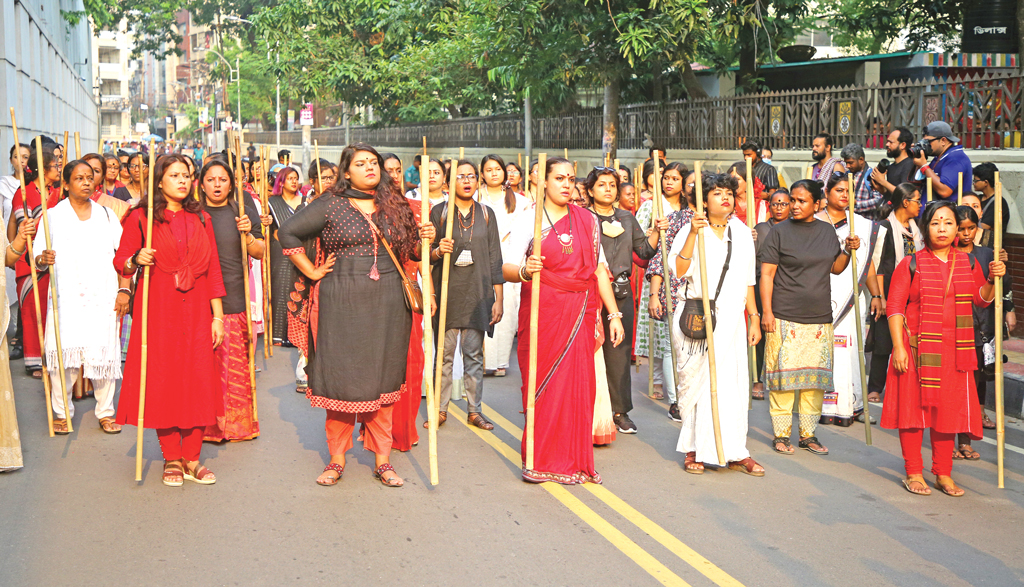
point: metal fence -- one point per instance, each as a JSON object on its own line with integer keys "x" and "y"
{"x": 984, "y": 111}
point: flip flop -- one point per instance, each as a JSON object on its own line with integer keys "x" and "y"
{"x": 925, "y": 491}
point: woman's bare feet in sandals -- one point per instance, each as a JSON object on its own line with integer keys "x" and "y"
{"x": 386, "y": 473}
{"x": 331, "y": 476}
{"x": 874, "y": 397}
{"x": 690, "y": 464}
{"x": 198, "y": 473}
{"x": 946, "y": 485}
{"x": 916, "y": 485}
{"x": 173, "y": 476}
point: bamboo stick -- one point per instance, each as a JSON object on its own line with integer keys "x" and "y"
{"x": 79, "y": 391}
{"x": 928, "y": 182}
{"x": 446, "y": 267}
{"x": 265, "y": 264}
{"x": 47, "y": 390}
{"x": 78, "y": 155}
{"x": 462, "y": 155}
{"x": 65, "y": 150}
{"x": 250, "y": 336}
{"x": 650, "y": 356}
{"x": 520, "y": 155}
{"x": 319, "y": 174}
{"x": 424, "y": 148}
{"x": 268, "y": 291}
{"x": 531, "y": 382}
{"x": 708, "y": 322}
{"x": 666, "y": 282}
{"x": 810, "y": 172}
{"x": 960, "y": 188}
{"x": 1000, "y": 411}
{"x": 53, "y": 284}
{"x": 751, "y": 351}
{"x": 857, "y": 318}
{"x": 144, "y": 362}
{"x": 565, "y": 154}
{"x": 428, "y": 326}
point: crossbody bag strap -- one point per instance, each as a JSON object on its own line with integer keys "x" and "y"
{"x": 725, "y": 267}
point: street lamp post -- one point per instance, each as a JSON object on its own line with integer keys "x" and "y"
{"x": 234, "y": 75}
{"x": 277, "y": 113}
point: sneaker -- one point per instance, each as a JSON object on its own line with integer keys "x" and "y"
{"x": 624, "y": 424}
{"x": 673, "y": 413}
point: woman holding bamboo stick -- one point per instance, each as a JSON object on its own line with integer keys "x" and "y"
{"x": 933, "y": 357}
{"x": 134, "y": 191}
{"x": 435, "y": 183}
{"x": 845, "y": 403}
{"x": 621, "y": 238}
{"x": 186, "y": 322}
{"x": 23, "y": 272}
{"x": 677, "y": 206}
{"x": 574, "y": 283}
{"x": 284, "y": 202}
{"x": 730, "y": 258}
{"x": 797, "y": 260}
{"x": 354, "y": 286}
{"x": 474, "y": 286}
{"x": 217, "y": 186}
{"x": 507, "y": 207}
{"x": 92, "y": 298}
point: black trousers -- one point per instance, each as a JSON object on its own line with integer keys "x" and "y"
{"x": 881, "y": 349}
{"x": 616, "y": 359}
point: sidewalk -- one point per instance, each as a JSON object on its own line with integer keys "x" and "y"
{"x": 1013, "y": 378}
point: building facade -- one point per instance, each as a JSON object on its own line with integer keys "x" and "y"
{"x": 113, "y": 70}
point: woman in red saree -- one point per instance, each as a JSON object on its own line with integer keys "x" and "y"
{"x": 186, "y": 322}
{"x": 574, "y": 284}
{"x": 930, "y": 379}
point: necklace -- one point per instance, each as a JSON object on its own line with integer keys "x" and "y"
{"x": 564, "y": 239}
{"x": 832, "y": 222}
{"x": 463, "y": 226}
{"x": 713, "y": 225}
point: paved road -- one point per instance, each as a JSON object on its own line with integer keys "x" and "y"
{"x": 75, "y": 516}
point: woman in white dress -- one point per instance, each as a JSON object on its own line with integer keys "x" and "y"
{"x": 729, "y": 247}
{"x": 507, "y": 207}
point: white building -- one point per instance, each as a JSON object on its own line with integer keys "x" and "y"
{"x": 113, "y": 71}
{"x": 47, "y": 75}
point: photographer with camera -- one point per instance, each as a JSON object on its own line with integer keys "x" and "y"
{"x": 886, "y": 176}
{"x": 949, "y": 161}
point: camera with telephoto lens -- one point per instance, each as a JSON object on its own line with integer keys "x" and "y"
{"x": 882, "y": 166}
{"x": 922, "y": 147}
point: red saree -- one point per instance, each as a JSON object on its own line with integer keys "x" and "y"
{"x": 566, "y": 382}
{"x": 407, "y": 408}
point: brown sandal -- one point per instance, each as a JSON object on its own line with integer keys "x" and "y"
{"x": 950, "y": 489}
{"x": 747, "y": 466}
{"x": 924, "y": 491}
{"x": 200, "y": 475}
{"x": 690, "y": 464}
{"x": 442, "y": 417}
{"x": 173, "y": 474}
{"x": 60, "y": 426}
{"x": 110, "y": 426}
{"x": 477, "y": 419}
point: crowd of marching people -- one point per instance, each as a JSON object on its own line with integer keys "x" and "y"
{"x": 163, "y": 271}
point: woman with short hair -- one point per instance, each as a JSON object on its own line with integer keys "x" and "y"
{"x": 933, "y": 355}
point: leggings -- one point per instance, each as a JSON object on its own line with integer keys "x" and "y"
{"x": 178, "y": 443}
{"x": 942, "y": 450}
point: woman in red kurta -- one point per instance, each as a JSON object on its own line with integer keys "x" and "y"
{"x": 186, "y": 322}
{"x": 933, "y": 359}
{"x": 574, "y": 284}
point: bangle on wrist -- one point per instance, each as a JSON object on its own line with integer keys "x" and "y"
{"x": 14, "y": 250}
{"x": 221, "y": 320}
{"x": 680, "y": 255}
{"x": 522, "y": 273}
{"x": 615, "y": 315}
{"x": 876, "y": 297}
{"x": 124, "y": 290}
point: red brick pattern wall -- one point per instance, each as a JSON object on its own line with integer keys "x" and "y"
{"x": 1014, "y": 245}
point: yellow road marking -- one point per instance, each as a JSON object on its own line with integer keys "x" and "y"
{"x": 676, "y": 546}
{"x": 631, "y": 549}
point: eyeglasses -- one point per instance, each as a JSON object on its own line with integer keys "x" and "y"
{"x": 914, "y": 201}
{"x": 780, "y": 205}
{"x": 136, "y": 166}
{"x": 466, "y": 177}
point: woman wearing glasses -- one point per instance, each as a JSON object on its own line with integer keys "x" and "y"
{"x": 475, "y": 292}
{"x": 778, "y": 210}
{"x": 898, "y": 237}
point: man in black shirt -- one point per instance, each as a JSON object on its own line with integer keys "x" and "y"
{"x": 985, "y": 186}
{"x": 766, "y": 173}
{"x": 902, "y": 168}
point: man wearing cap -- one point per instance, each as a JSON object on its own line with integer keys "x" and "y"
{"x": 948, "y": 163}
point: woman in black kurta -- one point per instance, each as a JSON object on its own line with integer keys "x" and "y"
{"x": 284, "y": 203}
{"x": 621, "y": 236}
{"x": 358, "y": 322}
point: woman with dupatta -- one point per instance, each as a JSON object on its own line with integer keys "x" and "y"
{"x": 930, "y": 382}
{"x": 284, "y": 202}
{"x": 574, "y": 284}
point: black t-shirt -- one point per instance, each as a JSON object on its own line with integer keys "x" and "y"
{"x": 229, "y": 248}
{"x": 123, "y": 194}
{"x": 988, "y": 213}
{"x": 900, "y": 172}
{"x": 804, "y": 253}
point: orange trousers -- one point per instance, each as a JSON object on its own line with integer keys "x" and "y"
{"x": 377, "y": 436}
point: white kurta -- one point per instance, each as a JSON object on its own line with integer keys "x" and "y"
{"x": 86, "y": 290}
{"x": 498, "y": 349}
{"x": 848, "y": 396}
{"x": 697, "y": 433}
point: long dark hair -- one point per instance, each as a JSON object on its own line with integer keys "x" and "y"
{"x": 189, "y": 204}
{"x": 216, "y": 162}
{"x": 387, "y": 197}
{"x": 33, "y": 167}
{"x": 598, "y": 172}
{"x": 683, "y": 172}
{"x": 510, "y": 196}
{"x": 929, "y": 213}
{"x": 900, "y": 194}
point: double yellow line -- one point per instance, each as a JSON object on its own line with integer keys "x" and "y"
{"x": 644, "y": 559}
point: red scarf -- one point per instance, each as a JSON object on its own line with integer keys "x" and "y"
{"x": 197, "y": 255}
{"x": 934, "y": 290}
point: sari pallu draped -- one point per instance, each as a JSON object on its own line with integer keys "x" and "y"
{"x": 238, "y": 421}
{"x": 23, "y": 274}
{"x": 566, "y": 383}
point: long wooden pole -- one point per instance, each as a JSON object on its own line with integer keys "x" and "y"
{"x": 428, "y": 326}
{"x": 857, "y": 319}
{"x": 751, "y": 351}
{"x": 250, "y": 336}
{"x": 144, "y": 361}
{"x": 928, "y": 183}
{"x": 265, "y": 263}
{"x": 53, "y": 284}
{"x": 666, "y": 282}
{"x": 708, "y": 322}
{"x": 35, "y": 286}
{"x": 1000, "y": 412}
{"x": 531, "y": 381}
{"x": 319, "y": 173}
{"x": 78, "y": 147}
{"x": 960, "y": 188}
{"x": 446, "y": 267}
{"x": 268, "y": 290}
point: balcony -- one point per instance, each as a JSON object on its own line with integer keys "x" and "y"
{"x": 115, "y": 103}
{"x": 112, "y": 71}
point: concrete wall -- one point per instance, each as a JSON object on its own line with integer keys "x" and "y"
{"x": 44, "y": 61}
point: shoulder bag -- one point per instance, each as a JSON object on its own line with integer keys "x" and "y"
{"x": 692, "y": 321}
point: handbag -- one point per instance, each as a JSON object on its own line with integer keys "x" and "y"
{"x": 692, "y": 321}
{"x": 411, "y": 289}
{"x": 621, "y": 287}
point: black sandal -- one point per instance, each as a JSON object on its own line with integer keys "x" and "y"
{"x": 784, "y": 441}
{"x": 811, "y": 444}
